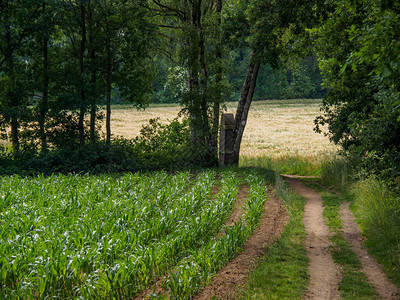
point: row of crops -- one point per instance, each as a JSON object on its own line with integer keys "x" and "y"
{"x": 112, "y": 237}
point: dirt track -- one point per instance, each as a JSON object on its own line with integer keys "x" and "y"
{"x": 324, "y": 274}
{"x": 370, "y": 266}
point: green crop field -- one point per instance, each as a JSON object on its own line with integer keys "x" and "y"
{"x": 80, "y": 236}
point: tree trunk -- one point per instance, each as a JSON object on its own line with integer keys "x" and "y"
{"x": 204, "y": 77}
{"x": 15, "y": 134}
{"x": 218, "y": 80}
{"x": 193, "y": 101}
{"x": 108, "y": 86}
{"x": 108, "y": 114}
{"x": 12, "y": 101}
{"x": 193, "y": 106}
{"x": 81, "y": 124}
{"x": 92, "y": 57}
{"x": 93, "y": 110}
{"x": 246, "y": 97}
{"x": 44, "y": 103}
{"x": 82, "y": 112}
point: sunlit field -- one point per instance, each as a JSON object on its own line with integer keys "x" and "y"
{"x": 126, "y": 120}
{"x": 275, "y": 128}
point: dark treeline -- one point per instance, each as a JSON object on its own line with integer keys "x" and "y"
{"x": 61, "y": 59}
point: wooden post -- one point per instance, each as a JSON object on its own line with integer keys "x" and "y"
{"x": 226, "y": 139}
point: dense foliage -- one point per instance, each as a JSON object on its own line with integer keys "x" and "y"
{"x": 159, "y": 146}
{"x": 358, "y": 52}
{"x": 60, "y": 59}
{"x": 302, "y": 81}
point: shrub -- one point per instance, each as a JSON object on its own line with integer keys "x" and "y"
{"x": 92, "y": 158}
{"x": 158, "y": 147}
{"x": 168, "y": 146}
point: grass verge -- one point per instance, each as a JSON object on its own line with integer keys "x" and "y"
{"x": 286, "y": 164}
{"x": 354, "y": 283}
{"x": 282, "y": 273}
{"x": 377, "y": 210}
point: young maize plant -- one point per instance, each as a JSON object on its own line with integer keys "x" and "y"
{"x": 196, "y": 270}
{"x": 61, "y": 235}
{"x": 81, "y": 236}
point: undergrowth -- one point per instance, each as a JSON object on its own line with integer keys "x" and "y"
{"x": 159, "y": 147}
{"x": 339, "y": 171}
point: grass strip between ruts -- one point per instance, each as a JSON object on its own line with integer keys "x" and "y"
{"x": 282, "y": 273}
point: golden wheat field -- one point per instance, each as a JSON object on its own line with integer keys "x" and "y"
{"x": 275, "y": 128}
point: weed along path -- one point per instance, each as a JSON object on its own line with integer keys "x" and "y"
{"x": 324, "y": 274}
{"x": 370, "y": 266}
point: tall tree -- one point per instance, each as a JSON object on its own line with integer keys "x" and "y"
{"x": 274, "y": 30}
{"x": 45, "y": 97}
{"x": 218, "y": 76}
{"x": 82, "y": 43}
{"x": 39, "y": 55}
{"x": 75, "y": 28}
{"x": 189, "y": 25}
{"x": 15, "y": 28}
{"x": 92, "y": 28}
{"x": 358, "y": 50}
{"x": 128, "y": 39}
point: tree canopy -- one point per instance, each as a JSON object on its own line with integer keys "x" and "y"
{"x": 358, "y": 48}
{"x": 61, "y": 59}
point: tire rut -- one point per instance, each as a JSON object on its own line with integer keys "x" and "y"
{"x": 370, "y": 266}
{"x": 324, "y": 274}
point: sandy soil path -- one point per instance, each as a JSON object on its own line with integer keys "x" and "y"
{"x": 324, "y": 274}
{"x": 370, "y": 266}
